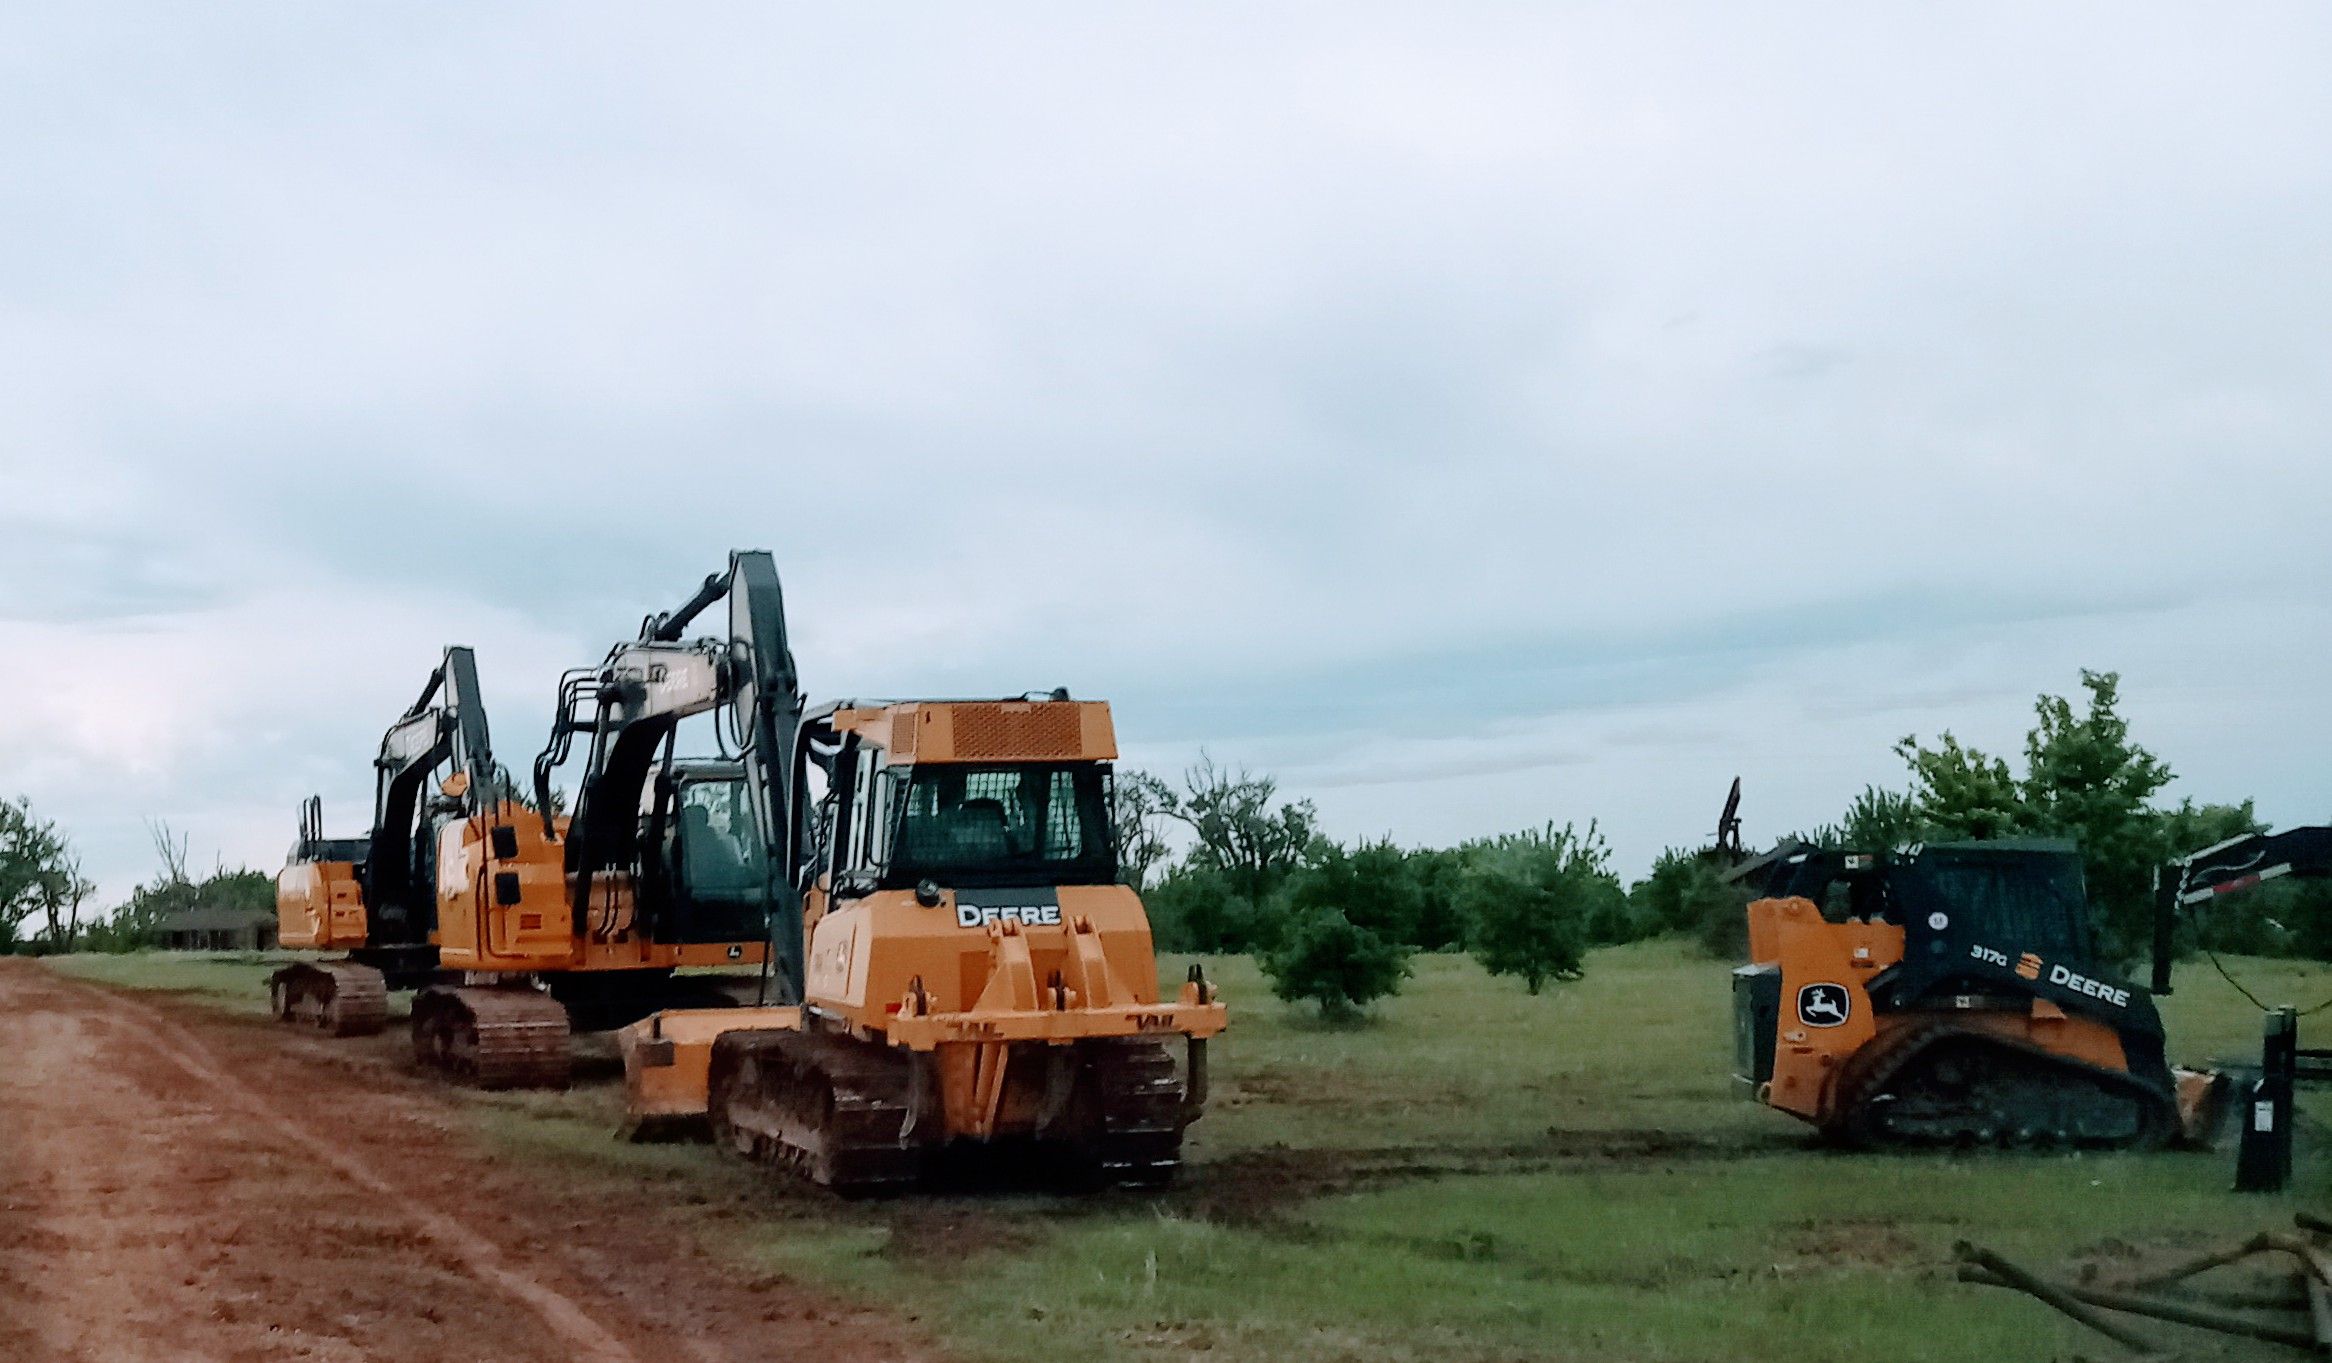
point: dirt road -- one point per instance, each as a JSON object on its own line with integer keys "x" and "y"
{"x": 177, "y": 1187}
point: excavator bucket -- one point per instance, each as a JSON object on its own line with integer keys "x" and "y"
{"x": 665, "y": 1059}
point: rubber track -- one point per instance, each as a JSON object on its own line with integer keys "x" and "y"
{"x": 339, "y": 998}
{"x": 494, "y": 1038}
{"x": 1856, "y": 1115}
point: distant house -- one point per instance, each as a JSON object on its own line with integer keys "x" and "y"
{"x": 219, "y": 930}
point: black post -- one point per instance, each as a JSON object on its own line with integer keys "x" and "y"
{"x": 2263, "y": 1163}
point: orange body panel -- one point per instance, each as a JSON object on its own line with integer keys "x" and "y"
{"x": 989, "y": 993}
{"x": 1812, "y": 951}
{"x": 990, "y": 997}
{"x": 478, "y": 931}
{"x": 319, "y": 906}
{"x": 986, "y": 730}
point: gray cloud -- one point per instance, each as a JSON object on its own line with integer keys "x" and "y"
{"x": 1443, "y": 407}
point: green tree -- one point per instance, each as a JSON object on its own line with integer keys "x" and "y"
{"x": 1537, "y": 900}
{"x": 1193, "y": 908}
{"x": 1687, "y": 894}
{"x": 1441, "y": 921}
{"x": 39, "y": 874}
{"x": 1322, "y": 958}
{"x": 2192, "y": 827}
{"x": 1372, "y": 885}
{"x": 1243, "y": 830}
{"x": 1877, "y": 821}
{"x": 2084, "y": 779}
{"x": 1963, "y": 793}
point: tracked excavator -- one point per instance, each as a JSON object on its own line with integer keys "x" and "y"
{"x": 1950, "y": 994}
{"x": 588, "y": 922}
{"x": 953, "y": 961}
{"x": 374, "y": 897}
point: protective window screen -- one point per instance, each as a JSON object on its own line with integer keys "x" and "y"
{"x": 962, "y": 818}
{"x": 2034, "y": 899}
{"x": 720, "y": 853}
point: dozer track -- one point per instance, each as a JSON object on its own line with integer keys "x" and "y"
{"x": 829, "y": 1107}
{"x": 840, "y": 1111}
{"x": 1939, "y": 1083}
{"x": 1135, "y": 1138}
{"x": 504, "y": 1037}
{"x": 338, "y": 998}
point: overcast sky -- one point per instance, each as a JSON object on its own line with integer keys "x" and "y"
{"x": 1475, "y": 415}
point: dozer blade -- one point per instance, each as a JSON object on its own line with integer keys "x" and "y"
{"x": 665, "y": 1060}
{"x": 338, "y": 998}
{"x": 495, "y": 1038}
{"x": 1944, "y": 1085}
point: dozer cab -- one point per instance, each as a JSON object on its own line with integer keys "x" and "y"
{"x": 952, "y": 958}
{"x": 1949, "y": 994}
{"x": 374, "y": 896}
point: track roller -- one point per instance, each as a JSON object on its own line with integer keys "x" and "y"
{"x": 493, "y": 1038}
{"x": 338, "y": 998}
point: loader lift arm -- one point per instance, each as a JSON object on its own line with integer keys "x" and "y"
{"x": 2230, "y": 867}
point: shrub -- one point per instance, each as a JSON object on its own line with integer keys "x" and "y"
{"x": 1194, "y": 908}
{"x": 1687, "y": 895}
{"x": 1538, "y": 900}
{"x": 1372, "y": 885}
{"x": 1323, "y": 958}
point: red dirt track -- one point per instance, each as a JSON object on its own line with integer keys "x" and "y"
{"x": 177, "y": 1187}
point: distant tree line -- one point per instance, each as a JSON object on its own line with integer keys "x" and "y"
{"x": 1336, "y": 925}
{"x": 44, "y": 898}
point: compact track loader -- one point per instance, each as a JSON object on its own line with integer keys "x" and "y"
{"x": 952, "y": 957}
{"x": 1950, "y": 994}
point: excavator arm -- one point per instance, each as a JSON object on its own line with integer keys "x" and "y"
{"x": 2230, "y": 867}
{"x": 632, "y": 703}
{"x": 445, "y": 726}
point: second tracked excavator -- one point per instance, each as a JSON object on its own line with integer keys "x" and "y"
{"x": 587, "y": 922}
{"x": 953, "y": 960}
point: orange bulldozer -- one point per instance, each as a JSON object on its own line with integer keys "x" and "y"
{"x": 952, "y": 959}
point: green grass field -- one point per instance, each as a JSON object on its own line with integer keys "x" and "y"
{"x": 1471, "y": 1174}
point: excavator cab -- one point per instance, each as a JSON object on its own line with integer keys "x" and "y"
{"x": 707, "y": 878}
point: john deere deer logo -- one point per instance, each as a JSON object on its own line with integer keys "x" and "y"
{"x": 1824, "y": 1005}
{"x": 2028, "y": 966}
